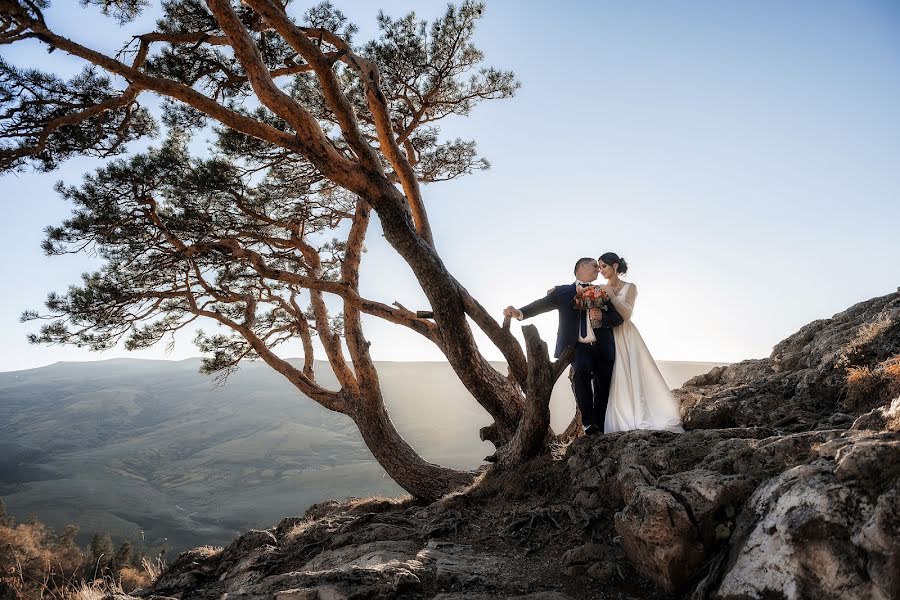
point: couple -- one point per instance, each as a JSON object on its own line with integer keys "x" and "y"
{"x": 618, "y": 386}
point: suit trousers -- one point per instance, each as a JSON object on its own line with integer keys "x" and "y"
{"x": 593, "y": 368}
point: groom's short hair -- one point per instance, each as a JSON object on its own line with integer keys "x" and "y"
{"x": 580, "y": 262}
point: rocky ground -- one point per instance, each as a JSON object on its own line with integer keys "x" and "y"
{"x": 786, "y": 485}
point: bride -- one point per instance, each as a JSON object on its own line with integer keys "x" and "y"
{"x": 638, "y": 395}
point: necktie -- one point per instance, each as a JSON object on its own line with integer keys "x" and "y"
{"x": 582, "y": 315}
{"x": 583, "y": 318}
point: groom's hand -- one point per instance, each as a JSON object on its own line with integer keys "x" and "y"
{"x": 596, "y": 314}
{"x": 512, "y": 311}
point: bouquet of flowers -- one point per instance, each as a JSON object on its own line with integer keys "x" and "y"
{"x": 592, "y": 296}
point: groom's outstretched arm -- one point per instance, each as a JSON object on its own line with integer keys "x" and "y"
{"x": 545, "y": 304}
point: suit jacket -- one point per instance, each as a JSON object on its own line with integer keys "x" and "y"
{"x": 561, "y": 298}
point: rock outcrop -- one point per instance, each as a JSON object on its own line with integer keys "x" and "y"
{"x": 805, "y": 383}
{"x": 829, "y": 528}
{"x": 786, "y": 485}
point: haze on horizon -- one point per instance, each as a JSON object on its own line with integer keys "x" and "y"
{"x": 742, "y": 157}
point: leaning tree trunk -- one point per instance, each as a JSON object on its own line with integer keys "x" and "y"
{"x": 497, "y": 394}
{"x": 424, "y": 480}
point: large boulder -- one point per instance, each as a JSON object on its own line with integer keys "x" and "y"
{"x": 659, "y": 537}
{"x": 826, "y": 529}
{"x": 881, "y": 418}
{"x": 673, "y": 497}
{"x": 458, "y": 566}
{"x": 680, "y": 501}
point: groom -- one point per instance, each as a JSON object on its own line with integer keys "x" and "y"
{"x": 595, "y": 349}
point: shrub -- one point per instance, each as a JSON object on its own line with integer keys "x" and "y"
{"x": 871, "y": 387}
{"x": 36, "y": 564}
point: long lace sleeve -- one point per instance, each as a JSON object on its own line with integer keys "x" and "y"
{"x": 625, "y": 305}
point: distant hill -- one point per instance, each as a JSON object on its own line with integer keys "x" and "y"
{"x": 155, "y": 452}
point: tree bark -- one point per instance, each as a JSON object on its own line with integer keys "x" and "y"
{"x": 424, "y": 480}
{"x": 402, "y": 463}
{"x": 573, "y": 430}
{"x": 498, "y": 395}
{"x": 533, "y": 432}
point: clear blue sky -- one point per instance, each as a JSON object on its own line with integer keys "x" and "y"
{"x": 743, "y": 156}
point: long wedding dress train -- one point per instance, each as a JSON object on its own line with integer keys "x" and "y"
{"x": 638, "y": 395}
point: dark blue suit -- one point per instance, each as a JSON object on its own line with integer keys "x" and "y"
{"x": 593, "y": 363}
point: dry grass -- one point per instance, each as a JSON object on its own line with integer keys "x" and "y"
{"x": 870, "y": 387}
{"x": 33, "y": 564}
{"x": 869, "y": 331}
{"x": 153, "y": 568}
{"x": 369, "y": 504}
{"x": 36, "y": 565}
{"x": 299, "y": 529}
{"x": 871, "y": 383}
{"x": 378, "y": 503}
{"x": 207, "y": 551}
{"x": 131, "y": 578}
{"x": 861, "y": 380}
{"x": 94, "y": 590}
{"x": 892, "y": 368}
{"x": 855, "y": 350}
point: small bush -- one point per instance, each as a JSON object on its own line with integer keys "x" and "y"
{"x": 36, "y": 564}
{"x": 131, "y": 578}
{"x": 33, "y": 563}
{"x": 872, "y": 342}
{"x": 891, "y": 376}
{"x": 153, "y": 568}
{"x": 870, "y": 387}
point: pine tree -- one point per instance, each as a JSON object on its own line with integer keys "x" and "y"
{"x": 101, "y": 548}
{"x": 137, "y": 559}
{"x": 123, "y": 556}
{"x": 68, "y": 535}
{"x": 256, "y": 237}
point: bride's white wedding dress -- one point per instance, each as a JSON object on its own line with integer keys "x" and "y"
{"x": 638, "y": 395}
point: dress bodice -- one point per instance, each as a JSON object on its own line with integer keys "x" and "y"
{"x": 624, "y": 299}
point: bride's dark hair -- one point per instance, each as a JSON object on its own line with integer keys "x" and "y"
{"x": 611, "y": 258}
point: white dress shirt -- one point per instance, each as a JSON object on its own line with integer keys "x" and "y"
{"x": 590, "y": 337}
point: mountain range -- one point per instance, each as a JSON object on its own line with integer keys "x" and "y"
{"x": 156, "y": 453}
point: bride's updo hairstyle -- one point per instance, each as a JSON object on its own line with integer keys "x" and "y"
{"x": 611, "y": 258}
